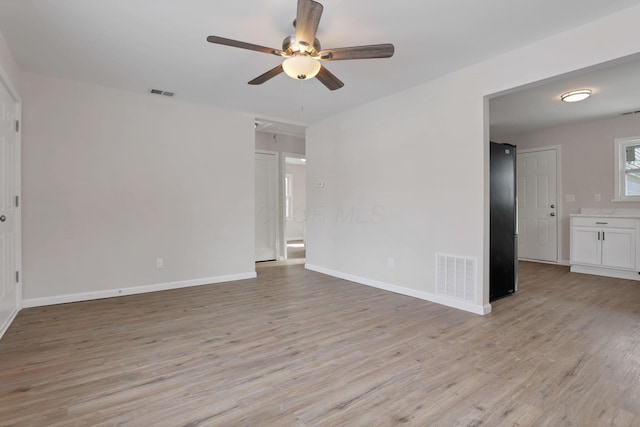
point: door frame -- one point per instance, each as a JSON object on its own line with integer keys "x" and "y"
{"x": 278, "y": 196}
{"x": 281, "y": 180}
{"x": 8, "y": 85}
{"x": 559, "y": 199}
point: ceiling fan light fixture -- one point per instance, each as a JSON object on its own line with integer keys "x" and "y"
{"x": 576, "y": 95}
{"x": 301, "y": 67}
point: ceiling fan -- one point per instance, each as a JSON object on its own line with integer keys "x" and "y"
{"x": 303, "y": 52}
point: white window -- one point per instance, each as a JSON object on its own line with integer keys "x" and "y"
{"x": 288, "y": 195}
{"x": 627, "y": 167}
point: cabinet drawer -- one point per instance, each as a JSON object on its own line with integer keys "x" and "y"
{"x": 604, "y": 222}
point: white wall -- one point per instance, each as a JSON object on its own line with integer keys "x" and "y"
{"x": 295, "y": 226}
{"x": 113, "y": 180}
{"x": 407, "y": 176}
{"x": 587, "y": 166}
{"x": 280, "y": 143}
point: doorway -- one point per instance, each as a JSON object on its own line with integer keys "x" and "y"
{"x": 285, "y": 144}
{"x": 266, "y": 215}
{"x": 294, "y": 208}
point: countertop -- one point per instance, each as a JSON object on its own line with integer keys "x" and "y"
{"x": 608, "y": 213}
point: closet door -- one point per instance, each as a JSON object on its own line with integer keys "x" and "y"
{"x": 9, "y": 212}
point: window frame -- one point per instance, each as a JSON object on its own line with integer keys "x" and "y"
{"x": 288, "y": 195}
{"x": 620, "y": 169}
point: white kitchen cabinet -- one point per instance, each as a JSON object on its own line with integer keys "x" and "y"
{"x": 619, "y": 248}
{"x": 586, "y": 247}
{"x": 604, "y": 246}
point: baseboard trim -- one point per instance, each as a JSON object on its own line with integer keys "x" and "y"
{"x": 110, "y": 293}
{"x": 427, "y": 296}
{"x": 10, "y": 320}
{"x": 606, "y": 272}
{"x": 539, "y": 261}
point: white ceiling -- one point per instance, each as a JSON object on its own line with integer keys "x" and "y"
{"x": 141, "y": 44}
{"x": 615, "y": 86}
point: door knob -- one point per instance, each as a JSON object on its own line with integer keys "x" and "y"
{"x": 553, "y": 214}
{"x": 3, "y": 218}
{"x": 553, "y": 206}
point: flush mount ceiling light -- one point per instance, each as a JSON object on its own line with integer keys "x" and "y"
{"x": 301, "y": 67}
{"x": 576, "y": 95}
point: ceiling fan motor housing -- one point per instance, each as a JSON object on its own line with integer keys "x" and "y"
{"x": 290, "y": 46}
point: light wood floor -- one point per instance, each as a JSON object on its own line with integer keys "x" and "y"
{"x": 296, "y": 348}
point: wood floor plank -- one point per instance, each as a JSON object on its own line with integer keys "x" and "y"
{"x": 297, "y": 348}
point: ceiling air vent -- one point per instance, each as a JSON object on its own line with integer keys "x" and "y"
{"x": 161, "y": 92}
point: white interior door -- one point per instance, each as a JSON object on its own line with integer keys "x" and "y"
{"x": 266, "y": 206}
{"x": 9, "y": 218}
{"x": 537, "y": 205}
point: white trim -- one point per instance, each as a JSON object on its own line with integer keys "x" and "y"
{"x": 559, "y": 198}
{"x": 619, "y": 170}
{"x": 6, "y": 325}
{"x": 19, "y": 287}
{"x": 110, "y": 293}
{"x": 559, "y": 262}
{"x": 427, "y": 296}
{"x": 607, "y": 272}
{"x": 289, "y": 239}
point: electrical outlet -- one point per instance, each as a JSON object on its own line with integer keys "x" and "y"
{"x": 159, "y": 263}
{"x": 391, "y": 262}
{"x": 569, "y": 198}
{"x": 597, "y": 198}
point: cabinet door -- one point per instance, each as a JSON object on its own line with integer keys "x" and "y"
{"x": 619, "y": 248}
{"x": 585, "y": 245}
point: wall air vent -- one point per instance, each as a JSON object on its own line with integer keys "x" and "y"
{"x": 161, "y": 92}
{"x": 456, "y": 277}
{"x": 630, "y": 112}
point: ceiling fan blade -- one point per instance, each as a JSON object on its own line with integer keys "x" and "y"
{"x": 243, "y": 45}
{"x": 307, "y": 20}
{"x": 267, "y": 76}
{"x": 358, "y": 52}
{"x": 327, "y": 78}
